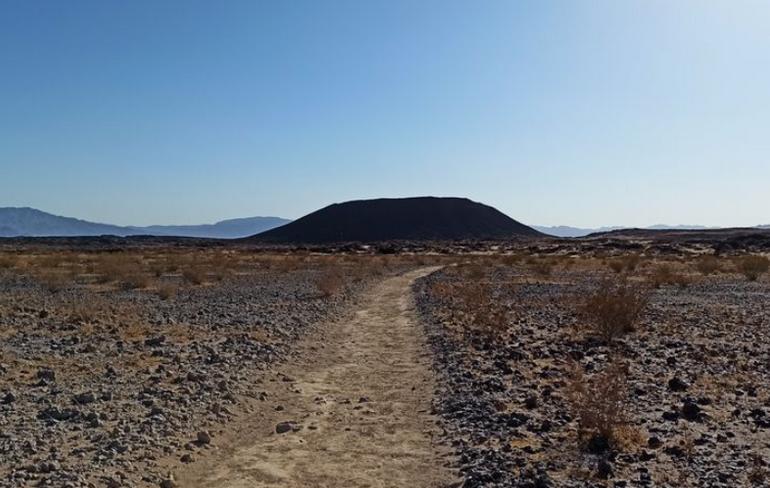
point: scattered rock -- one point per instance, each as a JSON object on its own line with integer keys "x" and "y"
{"x": 203, "y": 437}
{"x": 47, "y": 375}
{"x": 677, "y": 384}
{"x": 691, "y": 411}
{"x": 8, "y": 398}
{"x": 84, "y": 398}
{"x": 283, "y": 427}
{"x": 155, "y": 341}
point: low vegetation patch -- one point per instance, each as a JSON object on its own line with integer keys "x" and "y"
{"x": 752, "y": 267}
{"x": 614, "y": 309}
{"x": 627, "y": 263}
{"x": 600, "y": 405}
{"x": 665, "y": 274}
{"x": 330, "y": 283}
{"x": 707, "y": 265}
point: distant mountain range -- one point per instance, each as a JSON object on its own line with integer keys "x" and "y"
{"x": 29, "y": 222}
{"x": 566, "y": 231}
{"x": 403, "y": 219}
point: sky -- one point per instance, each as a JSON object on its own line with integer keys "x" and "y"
{"x": 584, "y": 113}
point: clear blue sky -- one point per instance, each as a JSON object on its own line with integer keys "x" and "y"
{"x": 557, "y": 112}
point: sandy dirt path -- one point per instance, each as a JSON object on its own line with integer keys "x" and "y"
{"x": 358, "y": 393}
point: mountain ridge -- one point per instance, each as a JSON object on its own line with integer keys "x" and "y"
{"x": 568, "y": 231}
{"x": 31, "y": 222}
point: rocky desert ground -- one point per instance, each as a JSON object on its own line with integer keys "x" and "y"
{"x": 111, "y": 362}
{"x": 624, "y": 371}
{"x": 460, "y": 365}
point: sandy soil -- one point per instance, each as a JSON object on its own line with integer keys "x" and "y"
{"x": 358, "y": 396}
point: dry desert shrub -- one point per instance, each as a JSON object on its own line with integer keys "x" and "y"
{"x": 330, "y": 283}
{"x": 614, "y": 309}
{"x": 752, "y": 267}
{"x": 473, "y": 296}
{"x": 665, "y": 274}
{"x": 52, "y": 281}
{"x": 442, "y": 290}
{"x": 540, "y": 266}
{"x": 134, "y": 281}
{"x": 631, "y": 262}
{"x": 758, "y": 473}
{"x": 115, "y": 267}
{"x": 222, "y": 264}
{"x": 616, "y": 265}
{"x": 167, "y": 291}
{"x": 707, "y": 265}
{"x": 84, "y": 309}
{"x": 600, "y": 405}
{"x": 627, "y": 263}
{"x": 8, "y": 261}
{"x": 194, "y": 275}
{"x": 488, "y": 315}
{"x": 50, "y": 261}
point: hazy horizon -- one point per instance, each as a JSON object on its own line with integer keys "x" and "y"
{"x": 581, "y": 113}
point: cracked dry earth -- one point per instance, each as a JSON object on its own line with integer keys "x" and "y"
{"x": 352, "y": 409}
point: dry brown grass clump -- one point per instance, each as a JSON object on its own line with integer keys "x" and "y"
{"x": 473, "y": 297}
{"x": 113, "y": 267}
{"x": 614, "y": 308}
{"x": 600, "y": 405}
{"x": 52, "y": 281}
{"x": 510, "y": 259}
{"x": 330, "y": 283}
{"x": 541, "y": 266}
{"x": 627, "y": 263}
{"x": 167, "y": 291}
{"x": 194, "y": 275}
{"x": 489, "y": 316}
{"x": 134, "y": 281}
{"x": 8, "y": 261}
{"x": 707, "y": 265}
{"x": 85, "y": 309}
{"x": 665, "y": 274}
{"x": 616, "y": 265}
{"x": 752, "y": 267}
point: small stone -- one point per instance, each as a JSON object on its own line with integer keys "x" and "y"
{"x": 112, "y": 483}
{"x": 168, "y": 483}
{"x": 46, "y": 375}
{"x": 155, "y": 341}
{"x": 604, "y": 469}
{"x": 690, "y": 410}
{"x": 85, "y": 398}
{"x": 8, "y": 398}
{"x": 677, "y": 384}
{"x": 203, "y": 437}
{"x": 531, "y": 402}
{"x": 598, "y": 444}
{"x": 47, "y": 467}
{"x": 671, "y": 416}
{"x": 284, "y": 427}
{"x": 654, "y": 442}
{"x": 186, "y": 458}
